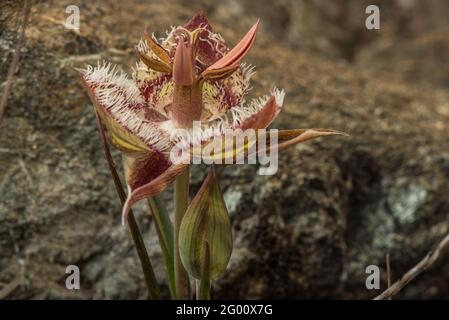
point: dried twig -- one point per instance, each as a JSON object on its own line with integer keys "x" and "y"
{"x": 8, "y": 289}
{"x": 424, "y": 264}
{"x": 15, "y": 59}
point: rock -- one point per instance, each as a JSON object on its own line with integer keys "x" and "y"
{"x": 335, "y": 206}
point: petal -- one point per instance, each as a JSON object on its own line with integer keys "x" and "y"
{"x": 152, "y": 188}
{"x": 238, "y": 52}
{"x": 225, "y": 149}
{"x": 121, "y": 110}
{"x": 199, "y": 20}
{"x": 228, "y": 93}
{"x": 210, "y": 46}
{"x": 260, "y": 113}
{"x": 143, "y": 167}
{"x": 218, "y": 74}
{"x": 144, "y": 144}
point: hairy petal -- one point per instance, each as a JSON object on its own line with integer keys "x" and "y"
{"x": 210, "y": 46}
{"x": 121, "y": 109}
{"x": 260, "y": 113}
{"x": 119, "y": 105}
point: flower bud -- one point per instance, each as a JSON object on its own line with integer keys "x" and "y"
{"x": 206, "y": 221}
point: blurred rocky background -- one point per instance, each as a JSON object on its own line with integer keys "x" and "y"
{"x": 335, "y": 206}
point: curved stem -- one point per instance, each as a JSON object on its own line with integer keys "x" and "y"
{"x": 147, "y": 268}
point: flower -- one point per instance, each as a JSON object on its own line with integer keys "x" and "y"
{"x": 190, "y": 75}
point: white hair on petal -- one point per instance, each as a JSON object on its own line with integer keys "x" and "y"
{"x": 121, "y": 99}
{"x": 242, "y": 112}
{"x": 194, "y": 136}
{"x": 279, "y": 96}
{"x": 142, "y": 46}
{"x": 233, "y": 118}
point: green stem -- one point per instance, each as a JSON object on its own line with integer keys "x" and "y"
{"x": 147, "y": 268}
{"x": 164, "y": 228}
{"x": 181, "y": 204}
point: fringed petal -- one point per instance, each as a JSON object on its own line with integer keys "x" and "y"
{"x": 259, "y": 113}
{"x": 121, "y": 109}
{"x": 210, "y": 46}
{"x": 144, "y": 144}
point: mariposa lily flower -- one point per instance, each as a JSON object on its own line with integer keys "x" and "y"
{"x": 190, "y": 75}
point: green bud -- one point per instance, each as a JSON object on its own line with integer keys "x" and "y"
{"x": 206, "y": 221}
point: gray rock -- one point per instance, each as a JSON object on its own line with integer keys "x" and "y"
{"x": 335, "y": 206}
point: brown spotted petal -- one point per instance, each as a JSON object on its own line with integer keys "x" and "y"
{"x": 210, "y": 46}
{"x": 153, "y": 187}
{"x": 145, "y": 146}
{"x": 143, "y": 167}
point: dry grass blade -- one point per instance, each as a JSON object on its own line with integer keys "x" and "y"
{"x": 15, "y": 59}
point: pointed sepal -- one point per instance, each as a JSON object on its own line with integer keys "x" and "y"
{"x": 236, "y": 54}
{"x": 154, "y": 64}
{"x": 157, "y": 49}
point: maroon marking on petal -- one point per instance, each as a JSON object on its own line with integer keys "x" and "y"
{"x": 153, "y": 187}
{"x": 153, "y": 115}
{"x": 91, "y": 91}
{"x": 147, "y": 89}
{"x": 209, "y": 50}
{"x": 197, "y": 21}
{"x": 263, "y": 118}
{"x": 231, "y": 99}
{"x": 147, "y": 168}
